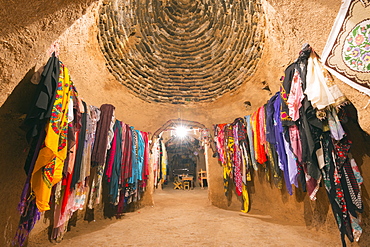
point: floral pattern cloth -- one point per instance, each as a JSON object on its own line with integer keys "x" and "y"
{"x": 356, "y": 52}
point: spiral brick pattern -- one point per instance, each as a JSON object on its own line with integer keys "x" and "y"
{"x": 181, "y": 51}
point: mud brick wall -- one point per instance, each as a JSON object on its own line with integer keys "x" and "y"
{"x": 181, "y": 51}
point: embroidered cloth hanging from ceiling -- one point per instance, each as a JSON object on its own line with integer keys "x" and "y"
{"x": 347, "y": 51}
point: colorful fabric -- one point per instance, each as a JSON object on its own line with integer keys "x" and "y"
{"x": 257, "y": 127}
{"x": 220, "y": 140}
{"x": 292, "y": 164}
{"x": 295, "y": 142}
{"x": 228, "y": 167}
{"x": 335, "y": 126}
{"x": 332, "y": 173}
{"x": 49, "y": 164}
{"x": 347, "y": 51}
{"x": 163, "y": 163}
{"x": 126, "y": 154}
{"x": 251, "y": 141}
{"x": 146, "y": 157}
{"x": 295, "y": 97}
{"x": 237, "y": 160}
{"x": 113, "y": 166}
{"x": 245, "y": 195}
{"x": 42, "y": 106}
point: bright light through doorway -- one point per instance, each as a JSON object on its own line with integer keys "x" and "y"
{"x": 181, "y": 131}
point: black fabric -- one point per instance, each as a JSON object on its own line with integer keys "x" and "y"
{"x": 342, "y": 218}
{"x": 42, "y": 106}
{"x": 40, "y": 110}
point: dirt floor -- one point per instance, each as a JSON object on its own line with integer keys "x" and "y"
{"x": 186, "y": 218}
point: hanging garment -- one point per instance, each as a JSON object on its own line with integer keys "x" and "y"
{"x": 155, "y": 160}
{"x": 320, "y": 89}
{"x": 295, "y": 97}
{"x": 74, "y": 127}
{"x": 140, "y": 155}
{"x": 285, "y": 87}
{"x": 279, "y": 145}
{"x": 245, "y": 199}
{"x": 146, "y": 158}
{"x": 98, "y": 156}
{"x": 134, "y": 174}
{"x": 29, "y": 213}
{"x": 229, "y": 150}
{"x": 113, "y": 167}
{"x": 42, "y": 106}
{"x": 93, "y": 116}
{"x": 257, "y": 127}
{"x": 126, "y": 154}
{"x": 332, "y": 174}
{"x": 237, "y": 160}
{"x": 292, "y": 164}
{"x": 49, "y": 164}
{"x": 244, "y": 149}
{"x": 163, "y": 162}
{"x": 271, "y": 143}
{"x": 336, "y": 130}
{"x": 76, "y": 178}
{"x": 101, "y": 140}
{"x": 295, "y": 142}
{"x": 251, "y": 141}
{"x": 220, "y": 141}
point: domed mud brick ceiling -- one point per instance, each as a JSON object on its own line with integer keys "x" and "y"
{"x": 181, "y": 51}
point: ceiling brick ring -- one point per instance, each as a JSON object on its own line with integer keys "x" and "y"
{"x": 181, "y": 51}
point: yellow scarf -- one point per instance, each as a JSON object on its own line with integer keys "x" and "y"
{"x": 49, "y": 164}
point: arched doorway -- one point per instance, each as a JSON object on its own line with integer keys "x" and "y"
{"x": 179, "y": 155}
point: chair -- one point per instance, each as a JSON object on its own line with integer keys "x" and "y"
{"x": 186, "y": 185}
{"x": 177, "y": 184}
{"x": 202, "y": 175}
{"x": 189, "y": 180}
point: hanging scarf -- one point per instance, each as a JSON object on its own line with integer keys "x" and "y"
{"x": 320, "y": 89}
{"x": 229, "y": 151}
{"x": 27, "y": 205}
{"x": 145, "y": 174}
{"x": 113, "y": 167}
{"x": 332, "y": 179}
{"x": 163, "y": 162}
{"x": 76, "y": 178}
{"x": 49, "y": 164}
{"x": 279, "y": 145}
{"x": 295, "y": 97}
{"x": 98, "y": 156}
{"x": 126, "y": 153}
{"x": 335, "y": 126}
{"x": 220, "y": 140}
{"x": 251, "y": 141}
{"x": 101, "y": 140}
{"x": 237, "y": 160}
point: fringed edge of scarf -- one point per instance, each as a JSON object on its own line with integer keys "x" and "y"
{"x": 29, "y": 216}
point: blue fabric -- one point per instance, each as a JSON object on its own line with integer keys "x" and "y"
{"x": 134, "y": 174}
{"x": 140, "y": 155}
{"x": 116, "y": 171}
{"x": 279, "y": 144}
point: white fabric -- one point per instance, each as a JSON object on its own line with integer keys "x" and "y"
{"x": 317, "y": 90}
